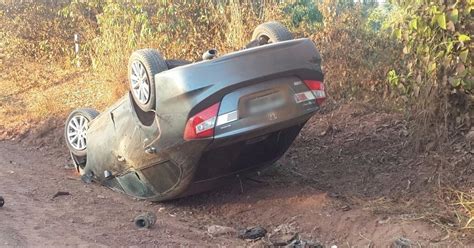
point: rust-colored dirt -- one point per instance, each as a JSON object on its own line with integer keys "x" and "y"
{"x": 350, "y": 179}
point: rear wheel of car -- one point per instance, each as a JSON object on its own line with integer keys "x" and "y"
{"x": 143, "y": 65}
{"x": 271, "y": 32}
{"x": 75, "y": 131}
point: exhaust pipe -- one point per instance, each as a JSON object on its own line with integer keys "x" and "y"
{"x": 209, "y": 54}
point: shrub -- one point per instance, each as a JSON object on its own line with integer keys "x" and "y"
{"x": 22, "y": 33}
{"x": 303, "y": 13}
{"x": 437, "y": 74}
{"x": 180, "y": 29}
{"x": 355, "y": 59}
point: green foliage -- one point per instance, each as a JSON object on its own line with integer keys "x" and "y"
{"x": 121, "y": 27}
{"x": 437, "y": 44}
{"x": 392, "y": 78}
{"x": 437, "y": 72}
{"x": 304, "y": 12}
{"x": 377, "y": 17}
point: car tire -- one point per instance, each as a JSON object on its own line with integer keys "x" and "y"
{"x": 75, "y": 130}
{"x": 143, "y": 65}
{"x": 271, "y": 32}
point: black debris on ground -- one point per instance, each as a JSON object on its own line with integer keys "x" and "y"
{"x": 401, "y": 243}
{"x": 60, "y": 193}
{"x": 145, "y": 221}
{"x": 252, "y": 233}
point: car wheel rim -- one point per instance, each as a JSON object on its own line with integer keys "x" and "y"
{"x": 140, "y": 82}
{"x": 76, "y": 132}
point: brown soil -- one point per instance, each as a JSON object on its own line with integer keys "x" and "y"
{"x": 350, "y": 179}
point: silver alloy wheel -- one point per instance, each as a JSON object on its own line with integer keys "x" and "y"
{"x": 76, "y": 132}
{"x": 140, "y": 82}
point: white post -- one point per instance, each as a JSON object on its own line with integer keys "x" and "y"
{"x": 76, "y": 49}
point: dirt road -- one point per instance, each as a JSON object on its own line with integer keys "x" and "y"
{"x": 90, "y": 215}
{"x": 347, "y": 181}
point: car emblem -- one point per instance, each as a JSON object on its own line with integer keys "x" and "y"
{"x": 272, "y": 116}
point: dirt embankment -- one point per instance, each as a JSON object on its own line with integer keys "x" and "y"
{"x": 350, "y": 179}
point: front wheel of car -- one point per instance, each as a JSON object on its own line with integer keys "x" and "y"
{"x": 143, "y": 65}
{"x": 271, "y": 32}
{"x": 76, "y": 128}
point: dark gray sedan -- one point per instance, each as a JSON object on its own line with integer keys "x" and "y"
{"x": 185, "y": 127}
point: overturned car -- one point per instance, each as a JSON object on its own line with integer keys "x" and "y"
{"x": 185, "y": 127}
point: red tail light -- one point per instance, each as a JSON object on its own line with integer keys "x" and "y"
{"x": 202, "y": 124}
{"x": 317, "y": 87}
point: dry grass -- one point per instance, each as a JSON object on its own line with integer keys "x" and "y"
{"x": 457, "y": 219}
{"x": 32, "y": 92}
{"x": 465, "y": 206}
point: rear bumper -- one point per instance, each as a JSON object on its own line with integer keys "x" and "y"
{"x": 219, "y": 163}
{"x": 226, "y": 158}
{"x": 242, "y": 156}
